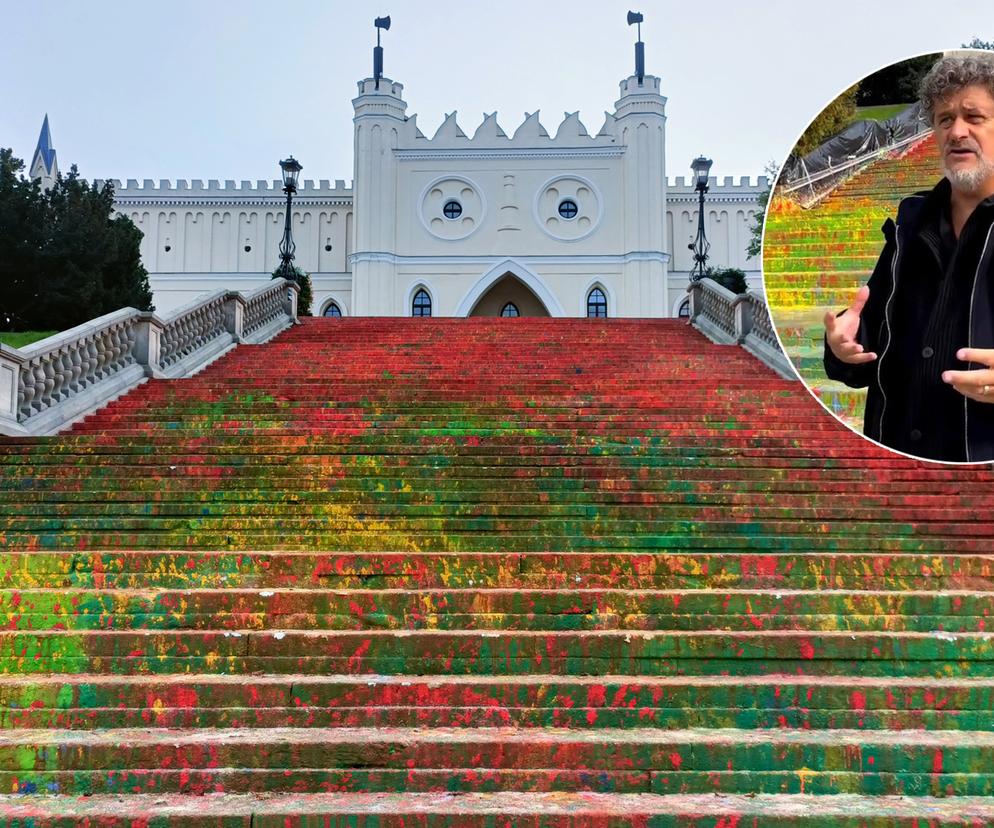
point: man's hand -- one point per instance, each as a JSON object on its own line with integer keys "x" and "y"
{"x": 977, "y": 384}
{"x": 840, "y": 332}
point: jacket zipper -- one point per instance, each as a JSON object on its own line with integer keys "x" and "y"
{"x": 969, "y": 341}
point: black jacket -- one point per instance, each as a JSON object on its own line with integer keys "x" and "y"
{"x": 903, "y": 287}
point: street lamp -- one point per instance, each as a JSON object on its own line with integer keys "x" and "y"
{"x": 291, "y": 169}
{"x": 701, "y": 167}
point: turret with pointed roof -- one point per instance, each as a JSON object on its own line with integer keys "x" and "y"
{"x": 44, "y": 165}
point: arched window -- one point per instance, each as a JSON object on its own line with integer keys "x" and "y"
{"x": 332, "y": 310}
{"x": 597, "y": 303}
{"x": 684, "y": 312}
{"x": 510, "y": 309}
{"x": 421, "y": 306}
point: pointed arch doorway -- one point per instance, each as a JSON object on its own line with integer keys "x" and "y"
{"x": 538, "y": 292}
{"x": 509, "y": 296}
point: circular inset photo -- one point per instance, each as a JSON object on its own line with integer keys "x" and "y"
{"x": 878, "y": 256}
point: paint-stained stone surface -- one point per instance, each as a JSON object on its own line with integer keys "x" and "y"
{"x": 815, "y": 259}
{"x": 489, "y": 573}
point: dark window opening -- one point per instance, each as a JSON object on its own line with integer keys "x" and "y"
{"x": 597, "y": 304}
{"x": 421, "y": 306}
{"x": 510, "y": 309}
{"x": 452, "y": 209}
{"x": 568, "y": 208}
{"x": 332, "y": 310}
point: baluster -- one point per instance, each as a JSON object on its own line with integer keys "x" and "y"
{"x": 48, "y": 382}
{"x": 27, "y": 392}
{"x": 63, "y": 374}
{"x": 113, "y": 351}
{"x": 105, "y": 354}
{"x": 90, "y": 361}
{"x": 127, "y": 344}
{"x": 76, "y": 363}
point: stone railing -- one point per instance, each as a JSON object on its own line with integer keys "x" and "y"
{"x": 743, "y": 320}
{"x": 49, "y": 384}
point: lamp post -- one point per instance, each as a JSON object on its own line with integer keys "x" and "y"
{"x": 291, "y": 169}
{"x": 701, "y": 167}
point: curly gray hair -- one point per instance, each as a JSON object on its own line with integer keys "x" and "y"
{"x": 950, "y": 74}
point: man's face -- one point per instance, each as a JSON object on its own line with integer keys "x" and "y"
{"x": 964, "y": 132}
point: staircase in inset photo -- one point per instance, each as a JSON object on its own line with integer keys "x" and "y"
{"x": 489, "y": 572}
{"x": 815, "y": 259}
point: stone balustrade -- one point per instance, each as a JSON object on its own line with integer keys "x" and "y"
{"x": 729, "y": 319}
{"x": 49, "y": 384}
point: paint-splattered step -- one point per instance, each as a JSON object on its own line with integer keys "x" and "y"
{"x": 493, "y": 810}
{"x": 743, "y": 539}
{"x": 832, "y": 495}
{"x": 82, "y": 702}
{"x": 500, "y": 608}
{"x": 701, "y": 569}
{"x": 505, "y": 515}
{"x": 437, "y": 652}
{"x": 538, "y": 759}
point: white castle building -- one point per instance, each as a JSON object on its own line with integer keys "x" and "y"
{"x": 526, "y": 222}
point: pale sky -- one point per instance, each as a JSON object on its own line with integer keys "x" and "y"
{"x": 211, "y": 89}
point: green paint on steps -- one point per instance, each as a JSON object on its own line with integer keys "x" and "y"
{"x": 478, "y": 545}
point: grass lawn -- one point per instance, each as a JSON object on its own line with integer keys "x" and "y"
{"x": 22, "y": 338}
{"x": 878, "y": 113}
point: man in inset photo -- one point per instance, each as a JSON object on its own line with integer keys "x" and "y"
{"x": 920, "y": 334}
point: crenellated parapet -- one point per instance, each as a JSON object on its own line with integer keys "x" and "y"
{"x": 571, "y": 138}
{"x": 745, "y": 190}
{"x": 227, "y": 193}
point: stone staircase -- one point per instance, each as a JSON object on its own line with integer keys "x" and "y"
{"x": 814, "y": 260}
{"x": 489, "y": 573}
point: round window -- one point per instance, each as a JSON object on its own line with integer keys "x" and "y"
{"x": 452, "y": 209}
{"x": 568, "y": 208}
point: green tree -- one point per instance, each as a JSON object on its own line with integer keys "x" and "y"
{"x": 306, "y": 296}
{"x": 977, "y": 43}
{"x": 829, "y": 122}
{"x": 894, "y": 84}
{"x": 64, "y": 257}
{"x": 728, "y": 277}
{"x": 759, "y": 216}
{"x": 23, "y": 218}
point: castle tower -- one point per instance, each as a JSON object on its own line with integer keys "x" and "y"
{"x": 379, "y": 119}
{"x": 640, "y": 125}
{"x": 43, "y": 164}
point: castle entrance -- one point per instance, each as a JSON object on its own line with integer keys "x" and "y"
{"x": 509, "y": 296}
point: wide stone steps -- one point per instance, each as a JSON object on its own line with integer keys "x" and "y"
{"x": 691, "y": 536}
{"x": 482, "y": 496}
{"x": 468, "y": 809}
{"x": 513, "y": 514}
{"x": 516, "y": 534}
{"x": 518, "y": 652}
{"x": 700, "y": 568}
{"x": 82, "y": 702}
{"x": 646, "y": 760}
{"x": 504, "y": 609}
{"x": 579, "y": 573}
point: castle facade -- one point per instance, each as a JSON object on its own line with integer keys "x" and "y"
{"x": 520, "y": 222}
